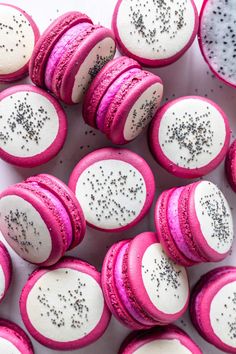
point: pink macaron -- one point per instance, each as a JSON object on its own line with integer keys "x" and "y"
{"x": 63, "y": 306}
{"x": 69, "y": 55}
{"x": 165, "y": 340}
{"x": 154, "y": 34}
{"x": 122, "y": 100}
{"x": 41, "y": 219}
{"x": 13, "y": 340}
{"x": 213, "y": 308}
{"x": 115, "y": 188}
{"x": 194, "y": 223}
{"x": 142, "y": 286}
{"x": 5, "y": 271}
{"x": 19, "y": 34}
{"x": 217, "y": 38}
{"x": 34, "y": 126}
{"x": 189, "y": 136}
{"x": 230, "y": 166}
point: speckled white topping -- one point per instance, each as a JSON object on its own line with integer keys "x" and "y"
{"x": 74, "y": 301}
{"x": 17, "y": 40}
{"x": 223, "y": 314}
{"x": 29, "y": 124}
{"x": 6, "y": 347}
{"x": 163, "y": 346}
{"x": 143, "y": 111}
{"x": 214, "y": 216}
{"x": 165, "y": 282}
{"x": 192, "y": 133}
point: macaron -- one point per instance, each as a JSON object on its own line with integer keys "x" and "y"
{"x": 69, "y": 54}
{"x": 19, "y": 34}
{"x": 13, "y": 340}
{"x": 230, "y": 166}
{"x": 216, "y": 38}
{"x": 115, "y": 188}
{"x": 63, "y": 306}
{"x": 142, "y": 286}
{"x": 189, "y": 136}
{"x": 5, "y": 271}
{"x": 41, "y": 219}
{"x": 213, "y": 308}
{"x": 165, "y": 340}
{"x": 122, "y": 100}
{"x": 152, "y": 33}
{"x": 34, "y": 126}
{"x": 194, "y": 223}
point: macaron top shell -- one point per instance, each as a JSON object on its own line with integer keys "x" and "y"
{"x": 190, "y": 136}
{"x": 19, "y": 34}
{"x": 72, "y": 294}
{"x": 5, "y": 271}
{"x": 115, "y": 188}
{"x": 152, "y": 34}
{"x": 34, "y": 126}
{"x": 160, "y": 285}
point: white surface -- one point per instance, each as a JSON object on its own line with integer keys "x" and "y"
{"x": 189, "y": 76}
{"x": 7, "y": 347}
{"x": 163, "y": 347}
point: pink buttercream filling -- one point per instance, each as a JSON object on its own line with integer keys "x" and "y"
{"x": 109, "y": 96}
{"x": 59, "y": 50}
{"x": 174, "y": 225}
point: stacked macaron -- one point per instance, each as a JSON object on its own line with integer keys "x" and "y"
{"x": 69, "y": 55}
{"x": 143, "y": 288}
{"x": 115, "y": 188}
{"x": 165, "y": 340}
{"x": 5, "y": 271}
{"x": 19, "y": 34}
{"x": 194, "y": 223}
{"x": 33, "y": 126}
{"x": 230, "y": 166}
{"x": 155, "y": 33}
{"x": 63, "y": 306}
{"x": 41, "y": 219}
{"x": 213, "y": 308}
{"x": 189, "y": 136}
{"x": 122, "y": 100}
{"x": 13, "y": 340}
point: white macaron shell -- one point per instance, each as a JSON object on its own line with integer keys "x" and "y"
{"x": 163, "y": 346}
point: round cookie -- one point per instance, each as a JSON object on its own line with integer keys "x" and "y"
{"x": 63, "y": 307}
{"x": 19, "y": 33}
{"x": 34, "y": 126}
{"x": 13, "y": 340}
{"x": 190, "y": 136}
{"x": 230, "y": 166}
{"x": 115, "y": 188}
{"x": 5, "y": 271}
{"x": 154, "y": 34}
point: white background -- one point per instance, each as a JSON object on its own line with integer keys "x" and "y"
{"x": 189, "y": 76}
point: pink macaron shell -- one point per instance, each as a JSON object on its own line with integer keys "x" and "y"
{"x": 104, "y": 79}
{"x": 134, "y": 273}
{"x": 209, "y": 292}
{"x": 148, "y": 62}
{"x": 55, "y": 146}
{"x": 110, "y": 291}
{"x": 202, "y": 48}
{"x": 169, "y": 165}
{"x": 136, "y": 340}
{"x": 47, "y": 42}
{"x": 14, "y": 334}
{"x": 21, "y": 73}
{"x": 163, "y": 231}
{"x": 59, "y": 50}
{"x": 196, "y": 231}
{"x": 75, "y": 264}
{"x": 124, "y": 155}
{"x": 230, "y": 166}
{"x": 5, "y": 263}
{"x": 69, "y": 201}
{"x": 31, "y": 196}
{"x": 70, "y": 68}
{"x": 124, "y": 102}
{"x": 109, "y": 96}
